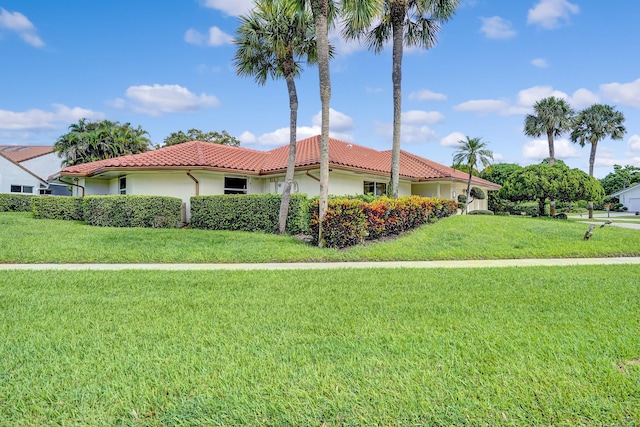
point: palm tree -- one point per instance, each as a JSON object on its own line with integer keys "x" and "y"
{"x": 553, "y": 117}
{"x": 323, "y": 12}
{"x": 593, "y": 125}
{"x": 405, "y": 22}
{"x": 471, "y": 153}
{"x": 271, "y": 41}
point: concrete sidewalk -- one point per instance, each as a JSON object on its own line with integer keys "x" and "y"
{"x": 333, "y": 265}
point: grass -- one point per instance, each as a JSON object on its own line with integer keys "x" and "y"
{"x": 515, "y": 346}
{"x": 27, "y": 240}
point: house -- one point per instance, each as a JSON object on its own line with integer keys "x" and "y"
{"x": 629, "y": 197}
{"x": 202, "y": 168}
{"x": 24, "y": 170}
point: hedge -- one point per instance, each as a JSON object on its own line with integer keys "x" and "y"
{"x": 249, "y": 212}
{"x": 349, "y": 222}
{"x": 57, "y": 207}
{"x": 15, "y": 202}
{"x": 132, "y": 211}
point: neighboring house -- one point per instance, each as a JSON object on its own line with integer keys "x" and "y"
{"x": 629, "y": 197}
{"x": 24, "y": 170}
{"x": 202, "y": 168}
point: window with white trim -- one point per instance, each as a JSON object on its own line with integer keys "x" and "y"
{"x": 122, "y": 185}
{"x": 22, "y": 189}
{"x": 375, "y": 188}
{"x": 233, "y": 185}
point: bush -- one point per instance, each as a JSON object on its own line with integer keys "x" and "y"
{"x": 15, "y": 202}
{"x": 57, "y": 207}
{"x": 477, "y": 193}
{"x": 349, "y": 222}
{"x": 529, "y": 208}
{"x": 249, "y": 212}
{"x": 481, "y": 212}
{"x": 132, "y": 211}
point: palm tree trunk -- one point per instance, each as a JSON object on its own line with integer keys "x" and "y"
{"x": 320, "y": 10}
{"x": 398, "y": 12}
{"x": 466, "y": 205}
{"x": 552, "y": 160}
{"x": 592, "y": 160}
{"x": 291, "y": 164}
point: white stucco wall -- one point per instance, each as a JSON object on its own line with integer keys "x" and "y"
{"x": 11, "y": 174}
{"x": 631, "y": 199}
{"x": 44, "y": 166}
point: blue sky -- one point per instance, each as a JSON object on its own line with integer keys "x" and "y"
{"x": 167, "y": 66}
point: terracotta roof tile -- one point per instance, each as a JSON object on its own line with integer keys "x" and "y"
{"x": 341, "y": 154}
{"x": 21, "y": 153}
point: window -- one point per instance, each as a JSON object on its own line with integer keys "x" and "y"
{"x": 123, "y": 185}
{"x": 22, "y": 189}
{"x": 235, "y": 185}
{"x": 375, "y": 188}
{"x": 44, "y": 191}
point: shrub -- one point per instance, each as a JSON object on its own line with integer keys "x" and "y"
{"x": 345, "y": 223}
{"x": 132, "y": 211}
{"x": 15, "y": 202}
{"x": 481, "y": 212}
{"x": 57, "y": 207}
{"x": 249, "y": 212}
{"x": 477, "y": 193}
{"x": 529, "y": 208}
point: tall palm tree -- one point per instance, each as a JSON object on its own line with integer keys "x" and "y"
{"x": 272, "y": 40}
{"x": 593, "y": 125}
{"x": 553, "y": 117}
{"x": 471, "y": 153}
{"x": 323, "y": 12}
{"x": 404, "y": 22}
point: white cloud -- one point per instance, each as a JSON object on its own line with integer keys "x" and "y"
{"x": 539, "y": 149}
{"x": 216, "y": 37}
{"x": 247, "y": 138}
{"x": 634, "y": 143}
{"x": 452, "y": 140}
{"x": 540, "y": 63}
{"x": 338, "y": 122}
{"x": 157, "y": 99}
{"x": 497, "y": 28}
{"x": 427, "y": 95}
{"x": 39, "y": 119}
{"x": 418, "y": 117}
{"x": 583, "y": 98}
{"x": 498, "y": 158}
{"x": 21, "y": 25}
{"x": 548, "y": 14}
{"x": 484, "y": 106}
{"x": 408, "y": 133}
{"x": 528, "y": 97}
{"x": 623, "y": 93}
{"x": 233, "y": 8}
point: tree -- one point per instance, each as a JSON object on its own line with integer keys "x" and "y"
{"x": 323, "y": 12}
{"x": 272, "y": 40}
{"x": 553, "y": 117}
{"x": 405, "y": 22}
{"x": 91, "y": 141}
{"x": 498, "y": 173}
{"x": 542, "y": 181}
{"x": 620, "y": 178}
{"x": 593, "y": 125}
{"x": 472, "y": 152}
{"x": 197, "y": 135}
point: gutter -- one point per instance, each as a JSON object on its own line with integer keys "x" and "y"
{"x": 196, "y": 181}
{"x": 59, "y": 179}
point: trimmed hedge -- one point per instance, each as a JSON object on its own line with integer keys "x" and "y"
{"x": 481, "y": 212}
{"x": 57, "y": 207}
{"x": 15, "y": 202}
{"x": 249, "y": 212}
{"x": 132, "y": 211}
{"x": 349, "y": 222}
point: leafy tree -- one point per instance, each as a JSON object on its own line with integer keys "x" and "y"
{"x": 91, "y": 141}
{"x": 197, "y": 135}
{"x": 553, "y": 117}
{"x": 620, "y": 178}
{"x": 593, "y": 125}
{"x": 472, "y": 152}
{"x": 499, "y": 173}
{"x": 542, "y": 181}
{"x": 272, "y": 41}
{"x": 404, "y": 22}
{"x": 323, "y": 12}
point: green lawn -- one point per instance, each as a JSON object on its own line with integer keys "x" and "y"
{"x": 508, "y": 346}
{"x": 27, "y": 240}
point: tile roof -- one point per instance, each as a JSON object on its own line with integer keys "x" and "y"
{"x": 205, "y": 155}
{"x": 21, "y": 153}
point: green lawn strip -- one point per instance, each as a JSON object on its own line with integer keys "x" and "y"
{"x": 27, "y": 240}
{"x": 508, "y": 346}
